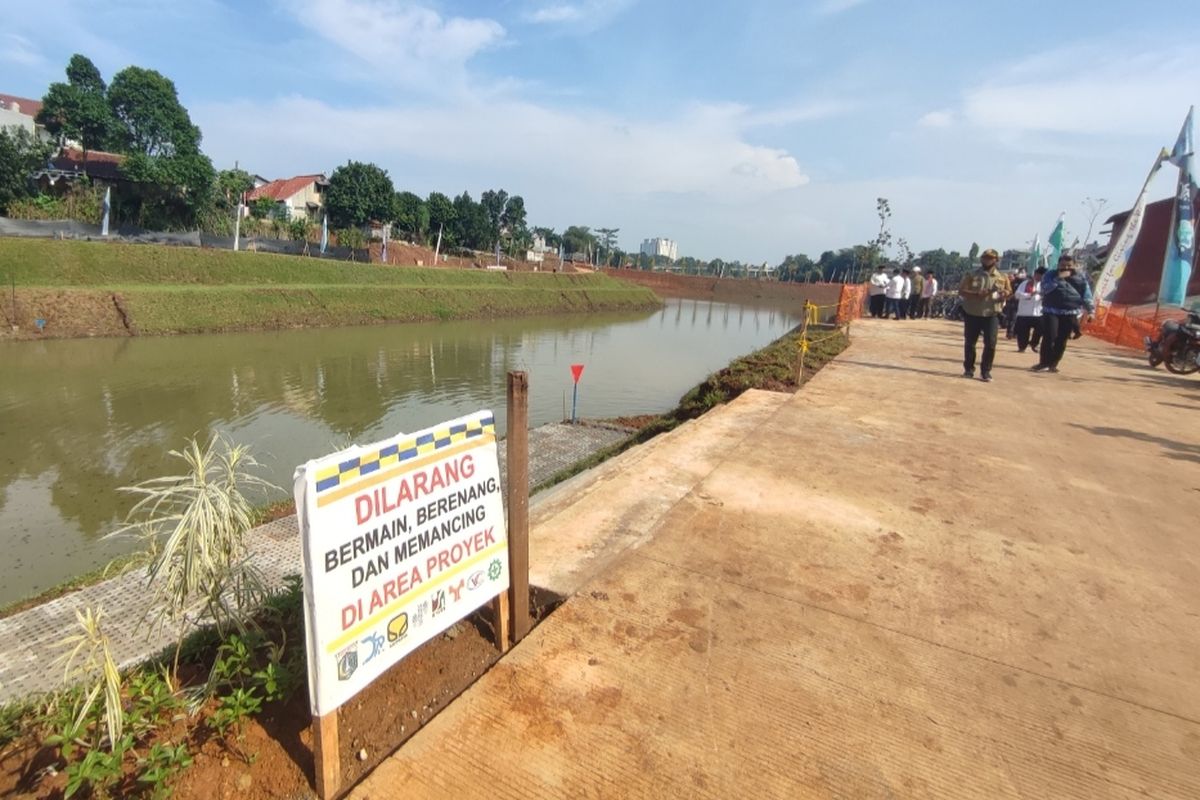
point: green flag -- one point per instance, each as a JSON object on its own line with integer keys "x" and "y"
{"x": 1056, "y": 241}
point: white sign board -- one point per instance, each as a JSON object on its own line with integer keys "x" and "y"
{"x": 401, "y": 539}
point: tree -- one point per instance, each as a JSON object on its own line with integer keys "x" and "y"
{"x": 169, "y": 191}
{"x": 359, "y": 193}
{"x": 552, "y": 239}
{"x": 607, "y": 237}
{"x": 471, "y": 227}
{"x": 150, "y": 119}
{"x": 513, "y": 223}
{"x": 79, "y": 109}
{"x": 906, "y": 253}
{"x": 20, "y": 154}
{"x": 411, "y": 216}
{"x": 230, "y": 185}
{"x": 492, "y": 203}
{"x": 579, "y": 239}
{"x": 1094, "y": 206}
{"x": 973, "y": 253}
{"x": 876, "y": 248}
{"x": 441, "y": 212}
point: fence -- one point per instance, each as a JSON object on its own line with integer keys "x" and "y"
{"x": 1127, "y": 326}
{"x": 70, "y": 229}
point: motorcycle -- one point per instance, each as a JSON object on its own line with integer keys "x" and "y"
{"x": 1177, "y": 346}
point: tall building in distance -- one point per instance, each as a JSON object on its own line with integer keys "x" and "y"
{"x": 660, "y": 247}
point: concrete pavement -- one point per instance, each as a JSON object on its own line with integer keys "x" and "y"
{"x": 896, "y": 583}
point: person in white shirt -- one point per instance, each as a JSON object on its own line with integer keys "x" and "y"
{"x": 878, "y": 292}
{"x": 894, "y": 295}
{"x": 905, "y": 298}
{"x": 927, "y": 293}
{"x": 1029, "y": 311}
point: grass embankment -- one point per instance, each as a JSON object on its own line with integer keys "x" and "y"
{"x": 82, "y": 288}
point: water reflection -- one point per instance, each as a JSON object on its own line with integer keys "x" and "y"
{"x": 80, "y": 418}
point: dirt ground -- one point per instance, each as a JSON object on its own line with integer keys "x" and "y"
{"x": 273, "y": 757}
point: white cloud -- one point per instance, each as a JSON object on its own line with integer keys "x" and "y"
{"x": 1089, "y": 91}
{"x": 555, "y": 14}
{"x": 18, "y": 50}
{"x": 700, "y": 150}
{"x": 828, "y": 8}
{"x": 937, "y": 119}
{"x": 587, "y": 16}
{"x": 403, "y": 42}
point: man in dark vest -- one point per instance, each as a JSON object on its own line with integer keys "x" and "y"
{"x": 1065, "y": 295}
{"x": 983, "y": 293}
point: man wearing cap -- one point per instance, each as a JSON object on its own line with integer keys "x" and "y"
{"x": 918, "y": 287}
{"x": 983, "y": 293}
{"x": 1065, "y": 294}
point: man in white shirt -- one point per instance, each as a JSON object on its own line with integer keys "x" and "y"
{"x": 878, "y": 292}
{"x": 905, "y": 297}
{"x": 894, "y": 295}
{"x": 927, "y": 294}
{"x": 1029, "y": 311}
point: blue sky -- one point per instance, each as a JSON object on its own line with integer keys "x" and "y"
{"x": 744, "y": 130}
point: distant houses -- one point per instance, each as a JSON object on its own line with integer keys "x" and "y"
{"x": 20, "y": 112}
{"x": 301, "y": 197}
{"x": 72, "y": 165}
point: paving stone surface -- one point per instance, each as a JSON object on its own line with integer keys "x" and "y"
{"x": 29, "y": 640}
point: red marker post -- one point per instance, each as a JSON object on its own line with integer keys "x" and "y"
{"x": 576, "y": 373}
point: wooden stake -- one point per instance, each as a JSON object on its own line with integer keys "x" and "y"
{"x": 518, "y": 502}
{"x": 327, "y": 763}
{"x": 500, "y": 612}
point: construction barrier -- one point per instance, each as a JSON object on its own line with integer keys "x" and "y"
{"x": 1127, "y": 326}
{"x": 851, "y": 302}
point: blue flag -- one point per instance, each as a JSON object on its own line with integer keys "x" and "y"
{"x": 1177, "y": 268}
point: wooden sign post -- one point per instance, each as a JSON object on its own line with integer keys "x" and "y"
{"x": 518, "y": 502}
{"x": 401, "y": 539}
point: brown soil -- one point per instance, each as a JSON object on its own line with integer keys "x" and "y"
{"x": 273, "y": 757}
{"x": 66, "y": 312}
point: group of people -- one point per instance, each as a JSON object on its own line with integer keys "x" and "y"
{"x": 1049, "y": 306}
{"x": 905, "y": 294}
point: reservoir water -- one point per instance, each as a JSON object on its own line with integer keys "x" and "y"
{"x": 80, "y": 418}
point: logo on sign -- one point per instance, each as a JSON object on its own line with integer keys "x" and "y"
{"x": 347, "y": 662}
{"x": 494, "y": 569}
{"x": 397, "y": 627}
{"x": 475, "y": 580}
{"x": 456, "y": 590}
{"x": 439, "y": 602}
{"x": 418, "y": 615}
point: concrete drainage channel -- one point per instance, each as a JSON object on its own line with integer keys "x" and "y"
{"x": 30, "y": 637}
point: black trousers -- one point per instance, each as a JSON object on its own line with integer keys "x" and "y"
{"x": 1029, "y": 332}
{"x": 973, "y": 327}
{"x": 902, "y": 308}
{"x": 876, "y": 305}
{"x": 1056, "y": 330}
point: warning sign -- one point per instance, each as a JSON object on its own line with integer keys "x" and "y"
{"x": 401, "y": 539}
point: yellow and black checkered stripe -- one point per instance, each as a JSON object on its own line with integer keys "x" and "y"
{"x": 336, "y": 475}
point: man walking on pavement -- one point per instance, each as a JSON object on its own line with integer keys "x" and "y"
{"x": 1065, "y": 294}
{"x": 983, "y": 293}
{"x": 1029, "y": 311}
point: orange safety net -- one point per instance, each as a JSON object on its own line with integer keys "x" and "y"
{"x": 850, "y": 302}
{"x": 1127, "y": 326}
